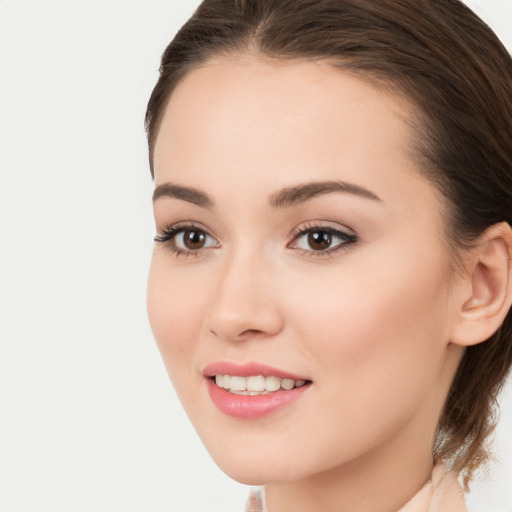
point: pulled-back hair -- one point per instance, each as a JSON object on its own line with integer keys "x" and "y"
{"x": 457, "y": 75}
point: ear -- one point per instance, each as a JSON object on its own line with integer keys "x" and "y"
{"x": 486, "y": 293}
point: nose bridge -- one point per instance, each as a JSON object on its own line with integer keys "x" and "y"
{"x": 243, "y": 302}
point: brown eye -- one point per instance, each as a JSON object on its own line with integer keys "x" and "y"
{"x": 186, "y": 240}
{"x": 193, "y": 239}
{"x": 322, "y": 240}
{"x": 319, "y": 240}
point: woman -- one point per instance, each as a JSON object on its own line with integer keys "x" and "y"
{"x": 331, "y": 282}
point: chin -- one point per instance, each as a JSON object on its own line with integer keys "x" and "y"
{"x": 247, "y": 476}
{"x": 252, "y": 473}
{"x": 256, "y": 464}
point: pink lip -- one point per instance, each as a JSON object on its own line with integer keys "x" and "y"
{"x": 248, "y": 369}
{"x": 247, "y": 406}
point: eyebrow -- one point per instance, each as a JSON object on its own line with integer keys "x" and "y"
{"x": 188, "y": 194}
{"x": 291, "y": 196}
{"x": 287, "y": 197}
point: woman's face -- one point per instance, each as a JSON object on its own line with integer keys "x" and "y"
{"x": 298, "y": 245}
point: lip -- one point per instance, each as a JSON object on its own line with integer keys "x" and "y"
{"x": 250, "y": 406}
{"x": 248, "y": 369}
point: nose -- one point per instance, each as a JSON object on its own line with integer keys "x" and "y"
{"x": 243, "y": 306}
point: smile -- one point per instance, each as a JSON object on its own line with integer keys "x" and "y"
{"x": 252, "y": 390}
{"x": 256, "y": 384}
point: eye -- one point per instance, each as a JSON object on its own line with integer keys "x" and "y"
{"x": 321, "y": 239}
{"x": 186, "y": 239}
{"x": 191, "y": 239}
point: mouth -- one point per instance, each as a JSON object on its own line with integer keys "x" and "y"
{"x": 255, "y": 385}
{"x": 252, "y": 390}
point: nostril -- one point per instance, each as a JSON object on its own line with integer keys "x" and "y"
{"x": 241, "y": 322}
{"x": 249, "y": 332}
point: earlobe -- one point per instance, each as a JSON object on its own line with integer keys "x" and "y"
{"x": 489, "y": 281}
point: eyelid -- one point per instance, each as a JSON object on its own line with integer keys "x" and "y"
{"x": 325, "y": 225}
{"x": 344, "y": 232}
{"x": 166, "y": 236}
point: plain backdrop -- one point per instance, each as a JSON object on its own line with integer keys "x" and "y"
{"x": 88, "y": 418}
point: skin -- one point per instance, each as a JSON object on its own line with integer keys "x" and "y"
{"x": 370, "y": 324}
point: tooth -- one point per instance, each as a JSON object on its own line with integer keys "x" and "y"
{"x": 238, "y": 383}
{"x": 256, "y": 383}
{"x": 287, "y": 383}
{"x": 272, "y": 383}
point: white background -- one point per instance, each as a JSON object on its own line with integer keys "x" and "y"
{"x": 88, "y": 419}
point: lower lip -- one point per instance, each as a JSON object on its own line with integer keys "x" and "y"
{"x": 252, "y": 406}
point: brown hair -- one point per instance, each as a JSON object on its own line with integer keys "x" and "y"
{"x": 457, "y": 73}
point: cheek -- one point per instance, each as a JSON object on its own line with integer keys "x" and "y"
{"x": 374, "y": 338}
{"x": 368, "y": 322}
{"x": 176, "y": 315}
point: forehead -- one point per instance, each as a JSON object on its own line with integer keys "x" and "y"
{"x": 289, "y": 87}
{"x": 236, "y": 119}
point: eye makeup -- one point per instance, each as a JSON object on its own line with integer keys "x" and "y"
{"x": 186, "y": 239}
{"x": 311, "y": 239}
{"x": 318, "y": 239}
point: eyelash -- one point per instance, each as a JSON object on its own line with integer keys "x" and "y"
{"x": 347, "y": 239}
{"x": 168, "y": 235}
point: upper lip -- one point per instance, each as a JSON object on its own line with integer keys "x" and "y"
{"x": 248, "y": 369}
